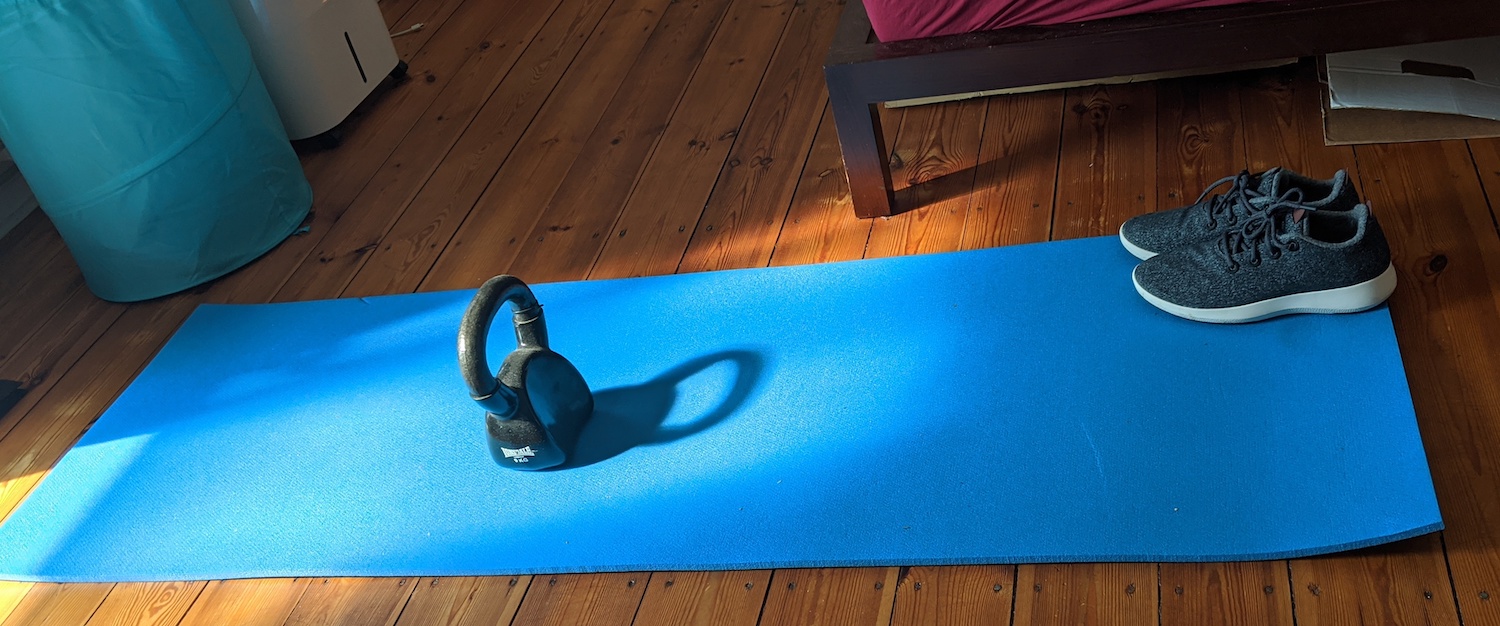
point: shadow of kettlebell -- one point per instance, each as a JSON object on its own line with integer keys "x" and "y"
{"x": 625, "y": 418}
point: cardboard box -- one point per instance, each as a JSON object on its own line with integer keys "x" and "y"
{"x": 1427, "y": 92}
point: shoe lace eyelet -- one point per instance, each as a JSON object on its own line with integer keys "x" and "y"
{"x": 1211, "y": 225}
{"x": 1275, "y": 254}
{"x": 1234, "y": 267}
{"x": 1293, "y": 246}
{"x": 1255, "y": 263}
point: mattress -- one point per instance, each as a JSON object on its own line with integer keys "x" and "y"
{"x": 894, "y": 20}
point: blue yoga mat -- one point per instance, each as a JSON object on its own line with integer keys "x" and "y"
{"x": 1017, "y": 404}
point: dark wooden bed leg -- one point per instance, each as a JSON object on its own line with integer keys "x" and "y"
{"x": 855, "y": 117}
{"x": 863, "y": 143}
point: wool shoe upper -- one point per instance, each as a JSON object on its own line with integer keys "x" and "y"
{"x": 1211, "y": 216}
{"x": 1271, "y": 256}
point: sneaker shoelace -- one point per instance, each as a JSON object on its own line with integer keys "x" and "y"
{"x": 1242, "y": 189}
{"x": 1262, "y": 231}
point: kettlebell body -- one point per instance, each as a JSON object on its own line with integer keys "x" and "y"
{"x": 537, "y": 404}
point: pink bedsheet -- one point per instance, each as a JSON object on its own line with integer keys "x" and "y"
{"x": 894, "y": 20}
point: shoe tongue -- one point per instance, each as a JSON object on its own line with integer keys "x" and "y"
{"x": 1293, "y": 224}
{"x": 1270, "y": 183}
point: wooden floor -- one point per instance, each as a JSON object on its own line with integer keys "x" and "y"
{"x": 582, "y": 139}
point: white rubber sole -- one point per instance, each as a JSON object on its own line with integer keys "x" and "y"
{"x": 1351, "y": 299}
{"x": 1137, "y": 251}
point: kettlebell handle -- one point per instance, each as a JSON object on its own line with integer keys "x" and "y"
{"x": 474, "y": 331}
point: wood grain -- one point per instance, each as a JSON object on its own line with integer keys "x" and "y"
{"x": 61, "y": 340}
{"x": 575, "y": 222}
{"x": 1405, "y": 583}
{"x": 653, "y": 227}
{"x": 1282, "y": 127}
{"x": 11, "y": 595}
{"x": 146, "y": 604}
{"x": 465, "y": 601}
{"x": 260, "y": 602}
{"x": 32, "y": 240}
{"x": 1197, "y": 137}
{"x": 486, "y": 242}
{"x": 934, "y": 157}
{"x": 955, "y": 596}
{"x": 821, "y": 227}
{"x": 371, "y": 137}
{"x": 1107, "y": 171}
{"x": 491, "y": 50}
{"x": 1086, "y": 594}
{"x": 1447, "y": 317}
{"x": 406, "y": 251}
{"x": 44, "y": 294}
{"x": 1016, "y": 178}
{"x": 49, "y": 604}
{"x": 352, "y": 601}
{"x": 1486, "y": 153}
{"x": 432, "y": 14}
{"x": 861, "y": 596}
{"x": 744, "y": 214}
{"x": 704, "y": 598}
{"x": 582, "y": 600}
{"x": 1251, "y": 594}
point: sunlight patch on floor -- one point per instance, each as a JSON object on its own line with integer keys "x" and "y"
{"x": 11, "y": 594}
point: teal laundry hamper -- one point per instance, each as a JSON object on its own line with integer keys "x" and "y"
{"x": 148, "y": 138}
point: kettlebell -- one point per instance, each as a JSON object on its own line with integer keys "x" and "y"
{"x": 536, "y": 406}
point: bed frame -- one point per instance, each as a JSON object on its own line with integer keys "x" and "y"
{"x": 862, "y": 72}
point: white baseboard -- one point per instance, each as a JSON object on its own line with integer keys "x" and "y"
{"x": 1120, "y": 80}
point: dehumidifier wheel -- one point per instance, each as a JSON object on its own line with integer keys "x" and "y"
{"x": 399, "y": 74}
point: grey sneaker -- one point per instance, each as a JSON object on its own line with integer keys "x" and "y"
{"x": 1210, "y": 217}
{"x": 1275, "y": 264}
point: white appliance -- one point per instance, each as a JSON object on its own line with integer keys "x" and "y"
{"x": 319, "y": 58}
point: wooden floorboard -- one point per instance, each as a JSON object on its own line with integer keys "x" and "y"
{"x": 490, "y": 48}
{"x": 1015, "y": 182}
{"x": 574, "y": 224}
{"x": 652, "y": 228}
{"x": 743, "y": 216}
{"x": 704, "y": 598}
{"x": 260, "y": 602}
{"x": 612, "y": 138}
{"x": 51, "y": 604}
{"x": 352, "y": 601}
{"x": 1444, "y": 309}
{"x": 146, "y": 604}
{"x": 820, "y": 227}
{"x": 970, "y": 595}
{"x": 485, "y": 243}
{"x": 936, "y": 155}
{"x": 465, "y": 601}
{"x": 32, "y": 240}
{"x": 409, "y": 247}
{"x": 582, "y": 600}
{"x": 11, "y": 595}
{"x": 855, "y": 596}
